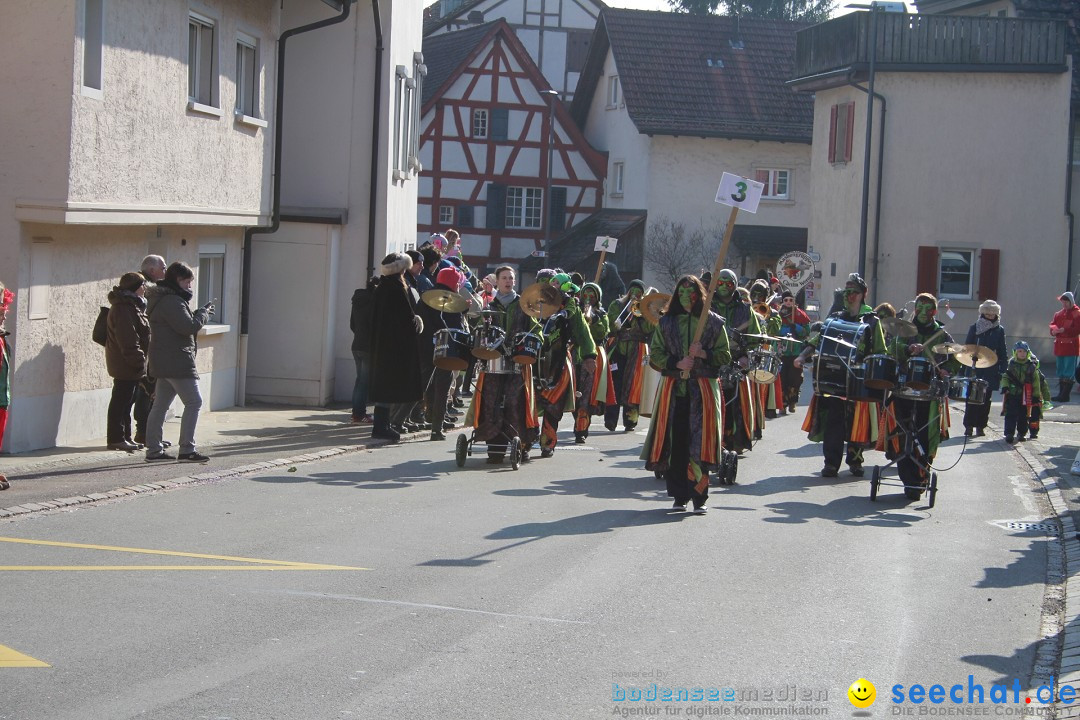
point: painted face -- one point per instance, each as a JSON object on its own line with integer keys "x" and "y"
{"x": 853, "y": 296}
{"x": 725, "y": 288}
{"x": 589, "y": 296}
{"x": 925, "y": 312}
{"x": 636, "y": 292}
{"x": 688, "y": 295}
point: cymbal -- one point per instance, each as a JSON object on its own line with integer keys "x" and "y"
{"x": 540, "y": 300}
{"x": 947, "y": 348}
{"x": 445, "y": 301}
{"x": 898, "y": 327}
{"x": 770, "y": 338}
{"x": 652, "y": 306}
{"x": 838, "y": 341}
{"x": 977, "y": 356}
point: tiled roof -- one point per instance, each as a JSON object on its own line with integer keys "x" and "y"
{"x": 685, "y": 74}
{"x": 433, "y": 21}
{"x": 573, "y": 250}
{"x": 443, "y": 53}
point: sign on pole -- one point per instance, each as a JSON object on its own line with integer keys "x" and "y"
{"x": 605, "y": 245}
{"x": 739, "y": 192}
{"x": 794, "y": 270}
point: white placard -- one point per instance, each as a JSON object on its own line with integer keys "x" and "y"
{"x": 739, "y": 192}
{"x": 794, "y": 270}
{"x": 603, "y": 242}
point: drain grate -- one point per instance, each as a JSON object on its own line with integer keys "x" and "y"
{"x": 1049, "y": 528}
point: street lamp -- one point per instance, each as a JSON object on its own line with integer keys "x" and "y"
{"x": 550, "y": 96}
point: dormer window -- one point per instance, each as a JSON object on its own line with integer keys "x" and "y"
{"x": 714, "y": 61}
{"x": 737, "y": 43}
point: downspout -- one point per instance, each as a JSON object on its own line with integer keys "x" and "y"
{"x": 877, "y": 192}
{"x": 1068, "y": 204}
{"x": 275, "y": 206}
{"x": 376, "y": 128}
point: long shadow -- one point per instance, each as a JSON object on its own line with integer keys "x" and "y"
{"x": 1028, "y": 566}
{"x": 403, "y": 475}
{"x": 855, "y": 511}
{"x": 777, "y": 484}
{"x": 808, "y": 450}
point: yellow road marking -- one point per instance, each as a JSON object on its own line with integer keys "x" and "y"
{"x": 14, "y": 659}
{"x": 259, "y": 564}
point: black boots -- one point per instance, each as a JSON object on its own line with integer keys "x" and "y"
{"x": 1064, "y": 390}
{"x": 380, "y": 429}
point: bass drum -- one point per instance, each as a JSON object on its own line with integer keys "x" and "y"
{"x": 838, "y": 352}
{"x": 452, "y": 349}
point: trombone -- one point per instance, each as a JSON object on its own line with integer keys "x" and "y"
{"x": 630, "y": 309}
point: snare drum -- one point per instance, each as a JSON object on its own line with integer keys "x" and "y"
{"x": 764, "y": 366}
{"x": 452, "y": 348}
{"x": 919, "y": 374}
{"x": 860, "y": 389}
{"x": 937, "y": 390}
{"x": 526, "y": 348}
{"x": 970, "y": 390}
{"x": 880, "y": 372}
{"x": 837, "y": 353}
{"x": 487, "y": 341}
{"x": 501, "y": 365}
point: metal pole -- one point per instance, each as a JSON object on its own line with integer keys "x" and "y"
{"x": 550, "y": 95}
{"x": 865, "y": 211}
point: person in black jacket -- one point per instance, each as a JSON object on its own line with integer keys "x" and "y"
{"x": 438, "y": 379}
{"x": 988, "y": 332}
{"x": 395, "y": 367}
{"x": 360, "y": 324}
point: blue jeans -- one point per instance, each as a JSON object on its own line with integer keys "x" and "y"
{"x": 360, "y": 387}
{"x": 167, "y": 391}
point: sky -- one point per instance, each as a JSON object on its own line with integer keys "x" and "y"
{"x": 663, "y": 5}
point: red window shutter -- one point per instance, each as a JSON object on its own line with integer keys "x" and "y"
{"x": 989, "y": 261}
{"x": 832, "y": 133}
{"x": 926, "y": 279}
{"x": 850, "y": 131}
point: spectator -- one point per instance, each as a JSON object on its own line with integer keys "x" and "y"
{"x": 395, "y": 368}
{"x": 988, "y": 332}
{"x": 172, "y": 361}
{"x": 153, "y": 269}
{"x": 415, "y": 270}
{"x": 125, "y": 356}
{"x": 425, "y": 280}
{"x": 437, "y": 380}
{"x": 1065, "y": 327}
{"x": 6, "y": 297}
{"x": 360, "y": 321}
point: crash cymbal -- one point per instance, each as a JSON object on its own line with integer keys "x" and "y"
{"x": 540, "y": 300}
{"x": 977, "y": 356}
{"x": 769, "y": 338}
{"x": 838, "y": 341}
{"x": 445, "y": 301}
{"x": 947, "y": 348}
{"x": 898, "y": 328}
{"x": 652, "y": 306}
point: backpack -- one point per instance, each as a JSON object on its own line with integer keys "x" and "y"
{"x": 101, "y": 327}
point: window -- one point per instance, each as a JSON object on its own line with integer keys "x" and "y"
{"x": 775, "y": 182}
{"x": 954, "y": 274}
{"x": 465, "y": 215}
{"x": 480, "y": 124}
{"x": 407, "y": 97}
{"x": 841, "y": 132}
{"x": 211, "y": 278}
{"x": 617, "y": 172}
{"x": 93, "y": 42}
{"x": 523, "y": 207}
{"x": 247, "y": 76}
{"x": 202, "y": 61}
{"x": 446, "y": 214}
{"x": 577, "y": 49}
{"x": 613, "y": 91}
{"x": 500, "y": 123}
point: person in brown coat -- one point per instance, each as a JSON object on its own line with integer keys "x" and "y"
{"x": 125, "y": 356}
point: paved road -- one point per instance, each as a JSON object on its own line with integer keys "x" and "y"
{"x": 541, "y": 593}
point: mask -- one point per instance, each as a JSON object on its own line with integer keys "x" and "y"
{"x": 688, "y": 295}
{"x": 925, "y": 312}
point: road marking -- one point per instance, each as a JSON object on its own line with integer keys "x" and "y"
{"x": 14, "y": 659}
{"x": 253, "y": 563}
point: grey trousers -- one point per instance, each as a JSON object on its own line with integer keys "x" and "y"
{"x": 167, "y": 390}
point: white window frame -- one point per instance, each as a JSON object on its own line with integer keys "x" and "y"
{"x": 771, "y": 177}
{"x": 480, "y": 124}
{"x": 211, "y": 282}
{"x": 446, "y": 214}
{"x": 970, "y": 294}
{"x": 203, "y": 63}
{"x": 521, "y": 203}
{"x": 248, "y": 106}
{"x": 613, "y": 92}
{"x": 618, "y": 173}
{"x": 93, "y": 35}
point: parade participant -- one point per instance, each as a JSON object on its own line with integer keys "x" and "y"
{"x": 927, "y": 419}
{"x": 740, "y": 421}
{"x": 594, "y": 389}
{"x": 795, "y": 324}
{"x": 505, "y": 402}
{"x": 988, "y": 332}
{"x": 1065, "y": 327}
{"x": 684, "y": 440}
{"x": 627, "y": 345}
{"x": 1023, "y": 391}
{"x": 566, "y": 334}
{"x": 771, "y": 394}
{"x": 436, "y": 380}
{"x": 837, "y": 421}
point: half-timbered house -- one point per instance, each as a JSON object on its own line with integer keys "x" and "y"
{"x": 501, "y": 158}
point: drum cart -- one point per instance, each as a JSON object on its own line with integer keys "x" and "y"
{"x": 463, "y": 447}
{"x": 910, "y": 452}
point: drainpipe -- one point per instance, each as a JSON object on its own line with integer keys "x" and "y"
{"x": 275, "y": 207}
{"x": 376, "y": 128}
{"x": 869, "y": 138}
{"x": 1068, "y": 206}
{"x": 877, "y": 193}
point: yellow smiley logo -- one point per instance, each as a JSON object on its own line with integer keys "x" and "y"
{"x": 862, "y": 693}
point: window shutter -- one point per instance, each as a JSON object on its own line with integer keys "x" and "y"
{"x": 926, "y": 277}
{"x": 496, "y": 206}
{"x": 557, "y": 210}
{"x": 500, "y": 123}
{"x": 989, "y": 261}
{"x": 465, "y": 216}
{"x": 849, "y": 131}
{"x": 832, "y": 133}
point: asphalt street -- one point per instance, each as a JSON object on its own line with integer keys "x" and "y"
{"x": 392, "y": 583}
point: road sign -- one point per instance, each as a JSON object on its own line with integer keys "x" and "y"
{"x": 739, "y": 192}
{"x": 539, "y": 253}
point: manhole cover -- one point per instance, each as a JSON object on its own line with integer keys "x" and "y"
{"x": 1049, "y": 528}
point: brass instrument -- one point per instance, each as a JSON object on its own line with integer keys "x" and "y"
{"x": 630, "y": 309}
{"x": 652, "y": 306}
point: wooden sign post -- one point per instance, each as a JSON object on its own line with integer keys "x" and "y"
{"x": 605, "y": 245}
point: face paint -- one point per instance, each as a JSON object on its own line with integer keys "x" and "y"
{"x": 687, "y": 295}
{"x": 725, "y": 288}
{"x": 924, "y": 312}
{"x": 636, "y": 292}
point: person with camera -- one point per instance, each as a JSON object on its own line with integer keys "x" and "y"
{"x": 173, "y": 327}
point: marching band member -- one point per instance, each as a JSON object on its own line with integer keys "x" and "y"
{"x": 565, "y": 333}
{"x": 1024, "y": 392}
{"x": 795, "y": 324}
{"x": 684, "y": 440}
{"x": 834, "y": 421}
{"x": 739, "y": 417}
{"x": 502, "y": 400}
{"x": 595, "y": 389}
{"x": 629, "y": 335}
{"x": 772, "y": 394}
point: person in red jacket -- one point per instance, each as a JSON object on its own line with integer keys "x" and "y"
{"x": 1065, "y": 327}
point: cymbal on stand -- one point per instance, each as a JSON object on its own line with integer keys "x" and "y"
{"x": 977, "y": 356}
{"x": 445, "y": 301}
{"x": 540, "y": 300}
{"x": 898, "y": 328}
{"x": 947, "y": 348}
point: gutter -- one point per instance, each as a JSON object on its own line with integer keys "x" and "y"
{"x": 275, "y": 208}
{"x": 1068, "y": 204}
{"x": 376, "y": 128}
{"x": 877, "y": 192}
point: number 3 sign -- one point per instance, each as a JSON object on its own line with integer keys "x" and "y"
{"x": 739, "y": 192}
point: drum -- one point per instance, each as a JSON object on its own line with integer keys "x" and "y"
{"x": 970, "y": 390}
{"x": 880, "y": 372}
{"x": 837, "y": 353}
{"x": 937, "y": 390}
{"x": 764, "y": 366}
{"x": 487, "y": 341}
{"x": 860, "y": 389}
{"x": 526, "y": 348}
{"x": 452, "y": 349}
{"x": 500, "y": 365}
{"x": 919, "y": 373}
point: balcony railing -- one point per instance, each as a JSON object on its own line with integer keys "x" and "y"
{"x": 938, "y": 42}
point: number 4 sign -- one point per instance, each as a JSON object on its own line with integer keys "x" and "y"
{"x": 606, "y": 244}
{"x": 739, "y": 192}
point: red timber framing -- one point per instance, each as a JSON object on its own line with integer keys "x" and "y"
{"x": 500, "y": 77}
